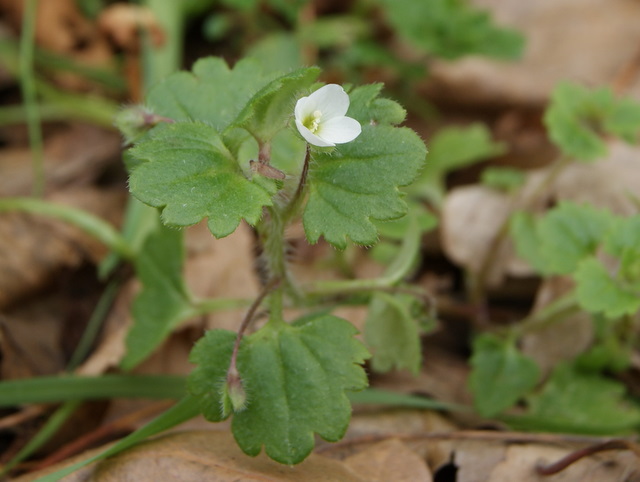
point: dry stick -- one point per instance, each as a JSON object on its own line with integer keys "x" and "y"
{"x": 475, "y": 436}
{"x": 23, "y": 416}
{"x": 569, "y": 459}
{"x": 101, "y": 433}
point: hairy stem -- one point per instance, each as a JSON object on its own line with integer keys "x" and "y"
{"x": 268, "y": 288}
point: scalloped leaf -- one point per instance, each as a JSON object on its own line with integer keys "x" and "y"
{"x": 598, "y": 292}
{"x": 393, "y": 334}
{"x": 452, "y": 29}
{"x": 358, "y": 182}
{"x": 187, "y": 171}
{"x": 213, "y": 93}
{"x": 500, "y": 374}
{"x": 367, "y": 108}
{"x": 296, "y": 378}
{"x": 577, "y": 402}
{"x": 164, "y": 301}
{"x": 569, "y": 233}
{"x": 270, "y": 109}
{"x": 578, "y": 117}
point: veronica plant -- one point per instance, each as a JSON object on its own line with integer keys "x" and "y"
{"x": 231, "y": 145}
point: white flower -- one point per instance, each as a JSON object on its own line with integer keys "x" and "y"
{"x": 321, "y": 119}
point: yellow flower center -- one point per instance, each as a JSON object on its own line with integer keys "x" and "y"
{"x": 313, "y": 121}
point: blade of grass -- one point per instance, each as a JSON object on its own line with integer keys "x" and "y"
{"x": 28, "y": 88}
{"x": 93, "y": 326}
{"x": 374, "y": 396}
{"x": 48, "y": 430}
{"x": 90, "y": 224}
{"x": 72, "y": 387}
{"x": 184, "y": 410}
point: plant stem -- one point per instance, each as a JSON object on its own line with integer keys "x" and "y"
{"x": 27, "y": 85}
{"x": 557, "y": 310}
{"x": 268, "y": 288}
{"x": 292, "y": 208}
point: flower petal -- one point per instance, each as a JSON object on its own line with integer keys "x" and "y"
{"x": 304, "y": 108}
{"x": 331, "y": 100}
{"x": 310, "y": 137}
{"x": 339, "y": 130}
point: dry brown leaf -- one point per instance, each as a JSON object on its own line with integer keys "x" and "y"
{"x": 33, "y": 248}
{"x": 222, "y": 268}
{"x": 389, "y": 461}
{"x": 124, "y": 23}
{"x": 587, "y": 41}
{"x": 472, "y": 215}
{"x": 471, "y": 218}
{"x": 75, "y": 156}
{"x": 201, "y": 457}
{"x": 61, "y": 28}
{"x": 557, "y": 342}
{"x": 213, "y": 268}
{"x": 520, "y": 461}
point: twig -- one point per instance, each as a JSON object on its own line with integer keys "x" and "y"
{"x": 473, "y": 435}
{"x": 101, "y": 433}
{"x": 569, "y": 459}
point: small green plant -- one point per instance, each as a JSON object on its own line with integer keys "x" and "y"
{"x": 228, "y": 145}
{"x": 599, "y": 252}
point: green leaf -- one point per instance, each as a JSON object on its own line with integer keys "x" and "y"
{"x": 577, "y": 118}
{"x": 189, "y": 173}
{"x": 569, "y": 233}
{"x": 500, "y": 374}
{"x": 623, "y": 242}
{"x": 213, "y": 93}
{"x": 523, "y": 230}
{"x": 503, "y": 178}
{"x": 453, "y": 148}
{"x": 270, "y": 110}
{"x": 279, "y": 51}
{"x": 296, "y": 378}
{"x": 598, "y": 292}
{"x": 452, "y": 29}
{"x": 393, "y": 334}
{"x": 164, "y": 300}
{"x": 572, "y": 401}
{"x": 358, "y": 182}
{"x": 367, "y": 108}
{"x": 397, "y": 228}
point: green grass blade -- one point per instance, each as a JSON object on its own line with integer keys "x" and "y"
{"x": 71, "y": 387}
{"x": 374, "y": 396}
{"x": 184, "y": 410}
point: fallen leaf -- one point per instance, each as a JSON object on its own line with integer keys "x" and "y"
{"x": 61, "y": 28}
{"x": 557, "y": 342}
{"x": 203, "y": 456}
{"x": 559, "y": 34}
{"x": 34, "y": 248}
{"x": 76, "y": 156}
{"x": 520, "y": 461}
{"x": 390, "y": 460}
